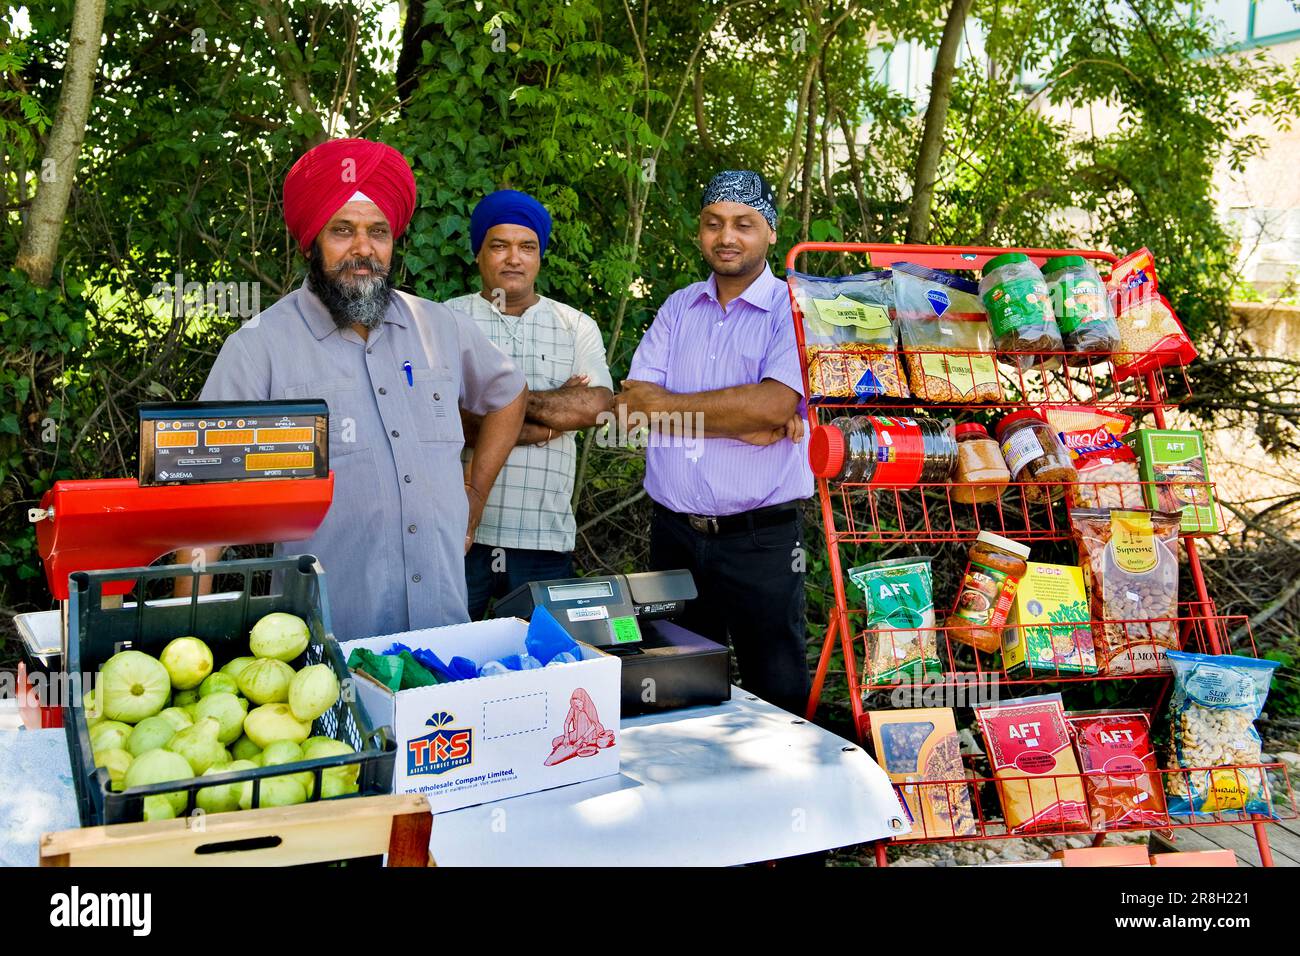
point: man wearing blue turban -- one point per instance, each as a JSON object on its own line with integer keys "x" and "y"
{"x": 528, "y": 531}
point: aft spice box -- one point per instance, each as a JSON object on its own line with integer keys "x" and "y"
{"x": 1176, "y": 461}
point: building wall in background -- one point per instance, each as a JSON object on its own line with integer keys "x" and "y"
{"x": 1263, "y": 203}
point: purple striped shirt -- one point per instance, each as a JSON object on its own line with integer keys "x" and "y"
{"x": 695, "y": 345}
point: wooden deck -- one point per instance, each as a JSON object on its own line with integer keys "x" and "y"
{"x": 1283, "y": 839}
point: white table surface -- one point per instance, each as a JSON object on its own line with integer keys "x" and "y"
{"x": 707, "y": 786}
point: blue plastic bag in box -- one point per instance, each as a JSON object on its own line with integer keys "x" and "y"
{"x": 547, "y": 637}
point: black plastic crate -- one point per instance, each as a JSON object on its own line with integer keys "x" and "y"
{"x": 96, "y": 633}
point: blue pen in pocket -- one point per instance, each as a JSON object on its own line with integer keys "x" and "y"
{"x": 410, "y": 377}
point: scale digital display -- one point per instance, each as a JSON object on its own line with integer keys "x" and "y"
{"x": 579, "y": 592}
{"x": 195, "y": 442}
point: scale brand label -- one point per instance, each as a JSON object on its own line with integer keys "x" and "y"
{"x": 599, "y": 613}
{"x": 442, "y": 750}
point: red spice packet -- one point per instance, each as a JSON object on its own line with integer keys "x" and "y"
{"x": 1118, "y": 764}
{"x": 1029, "y": 749}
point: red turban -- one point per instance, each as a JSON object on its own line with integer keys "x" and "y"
{"x": 326, "y": 176}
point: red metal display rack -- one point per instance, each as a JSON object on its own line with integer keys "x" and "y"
{"x": 930, "y": 514}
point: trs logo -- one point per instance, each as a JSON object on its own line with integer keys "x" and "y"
{"x": 444, "y": 749}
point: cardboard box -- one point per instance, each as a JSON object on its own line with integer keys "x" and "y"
{"x": 1129, "y": 855}
{"x": 1196, "y": 858}
{"x": 1047, "y": 631}
{"x": 1176, "y": 459}
{"x": 473, "y": 741}
{"x": 1048, "y": 863}
{"x": 921, "y": 745}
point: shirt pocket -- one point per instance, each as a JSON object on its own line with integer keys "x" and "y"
{"x": 551, "y": 365}
{"x": 344, "y": 398}
{"x": 437, "y": 406}
{"x": 751, "y": 355}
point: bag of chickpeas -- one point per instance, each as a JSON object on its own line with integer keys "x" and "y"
{"x": 1212, "y": 737}
{"x": 1106, "y": 465}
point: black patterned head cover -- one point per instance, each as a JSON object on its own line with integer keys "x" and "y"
{"x": 743, "y": 186}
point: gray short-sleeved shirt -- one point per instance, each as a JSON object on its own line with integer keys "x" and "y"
{"x": 393, "y": 542}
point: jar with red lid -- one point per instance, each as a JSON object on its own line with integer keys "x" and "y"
{"x": 982, "y": 473}
{"x": 887, "y": 450}
{"x": 1034, "y": 453}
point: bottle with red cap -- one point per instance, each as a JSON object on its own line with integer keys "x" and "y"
{"x": 890, "y": 450}
{"x": 982, "y": 474}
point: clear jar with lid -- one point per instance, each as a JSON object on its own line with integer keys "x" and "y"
{"x": 940, "y": 448}
{"x": 1020, "y": 311}
{"x": 1082, "y": 309}
{"x": 1034, "y": 453}
{"x": 887, "y": 450}
{"x": 982, "y": 473}
{"x": 844, "y": 450}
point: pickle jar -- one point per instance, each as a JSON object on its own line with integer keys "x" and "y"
{"x": 1034, "y": 455}
{"x": 993, "y": 571}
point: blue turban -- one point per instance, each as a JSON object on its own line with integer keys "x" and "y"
{"x": 509, "y": 207}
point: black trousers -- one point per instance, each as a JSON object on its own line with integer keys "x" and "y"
{"x": 751, "y": 593}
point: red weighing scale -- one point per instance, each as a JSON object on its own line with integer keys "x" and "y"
{"x": 211, "y": 473}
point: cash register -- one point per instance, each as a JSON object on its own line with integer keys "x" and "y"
{"x": 665, "y": 666}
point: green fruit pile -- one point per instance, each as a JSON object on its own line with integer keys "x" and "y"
{"x": 172, "y": 717}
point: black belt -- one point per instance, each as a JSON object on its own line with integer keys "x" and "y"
{"x": 744, "y": 521}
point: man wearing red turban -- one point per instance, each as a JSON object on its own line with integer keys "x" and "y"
{"x": 395, "y": 369}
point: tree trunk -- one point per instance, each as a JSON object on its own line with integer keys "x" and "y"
{"x": 411, "y": 58}
{"x": 40, "y": 238}
{"x": 809, "y": 159}
{"x": 291, "y": 63}
{"x": 936, "y": 116}
{"x": 701, "y": 120}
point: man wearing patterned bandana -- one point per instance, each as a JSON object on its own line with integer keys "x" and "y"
{"x": 721, "y": 354}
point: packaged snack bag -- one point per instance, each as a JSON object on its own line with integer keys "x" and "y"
{"x": 1149, "y": 332}
{"x": 1130, "y": 565}
{"x": 945, "y": 335}
{"x": 900, "y": 616}
{"x": 1106, "y": 465}
{"x": 1212, "y": 735}
{"x": 849, "y": 335}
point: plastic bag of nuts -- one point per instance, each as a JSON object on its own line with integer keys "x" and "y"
{"x": 1130, "y": 564}
{"x": 1212, "y": 736}
{"x": 1106, "y": 465}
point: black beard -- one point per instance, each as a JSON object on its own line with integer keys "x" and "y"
{"x": 362, "y": 301}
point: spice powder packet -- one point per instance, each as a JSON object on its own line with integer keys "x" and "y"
{"x": 1119, "y": 764}
{"x": 1029, "y": 749}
